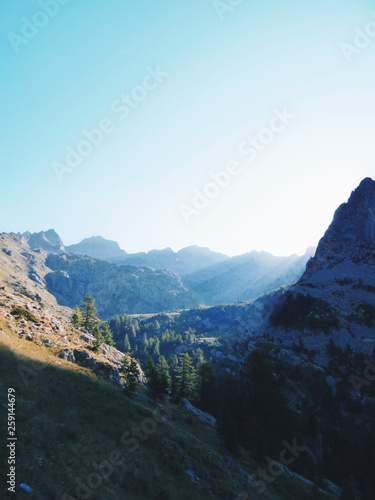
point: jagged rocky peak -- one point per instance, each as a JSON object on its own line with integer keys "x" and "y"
{"x": 97, "y": 247}
{"x": 47, "y": 240}
{"x": 355, "y": 220}
{"x": 351, "y": 235}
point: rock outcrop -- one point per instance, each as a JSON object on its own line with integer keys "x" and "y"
{"x": 351, "y": 235}
{"x": 99, "y": 248}
{"x": 116, "y": 289}
{"x": 62, "y": 280}
{"x": 335, "y": 296}
{"x": 30, "y": 321}
{"x": 46, "y": 240}
{"x": 202, "y": 416}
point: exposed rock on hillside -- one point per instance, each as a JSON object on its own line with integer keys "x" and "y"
{"x": 23, "y": 270}
{"x": 30, "y": 321}
{"x": 68, "y": 278}
{"x": 204, "y": 417}
{"x": 335, "y": 298}
{"x": 351, "y": 235}
{"x": 214, "y": 277}
{"x": 116, "y": 289}
{"x": 46, "y": 240}
{"x": 210, "y": 277}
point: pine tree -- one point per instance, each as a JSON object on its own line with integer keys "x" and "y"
{"x": 107, "y": 334}
{"x": 156, "y": 348}
{"x": 198, "y": 356}
{"x": 173, "y": 360}
{"x": 127, "y": 345}
{"x": 151, "y": 374}
{"x": 131, "y": 371}
{"x": 76, "y": 318}
{"x": 116, "y": 325}
{"x": 205, "y": 385}
{"x": 145, "y": 340}
{"x": 185, "y": 377}
{"x": 164, "y": 377}
{"x": 99, "y": 339}
{"x": 174, "y": 389}
{"x": 89, "y": 319}
{"x": 133, "y": 332}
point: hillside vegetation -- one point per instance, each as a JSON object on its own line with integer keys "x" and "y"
{"x": 74, "y": 429}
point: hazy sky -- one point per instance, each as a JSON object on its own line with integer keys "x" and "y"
{"x": 181, "y": 91}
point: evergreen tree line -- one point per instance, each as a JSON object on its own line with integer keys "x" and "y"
{"x": 149, "y": 339}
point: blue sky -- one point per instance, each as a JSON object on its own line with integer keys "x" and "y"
{"x": 224, "y": 73}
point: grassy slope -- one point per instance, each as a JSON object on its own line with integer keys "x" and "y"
{"x": 67, "y": 419}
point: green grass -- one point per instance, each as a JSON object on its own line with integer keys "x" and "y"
{"x": 67, "y": 420}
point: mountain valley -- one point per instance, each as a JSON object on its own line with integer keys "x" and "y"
{"x": 289, "y": 359}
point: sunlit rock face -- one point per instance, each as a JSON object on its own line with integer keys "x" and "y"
{"x": 99, "y": 248}
{"x": 47, "y": 240}
{"x": 351, "y": 235}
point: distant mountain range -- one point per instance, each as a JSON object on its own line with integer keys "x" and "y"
{"x": 332, "y": 290}
{"x": 246, "y": 276}
{"x": 55, "y": 275}
{"x": 209, "y": 277}
{"x": 186, "y": 261}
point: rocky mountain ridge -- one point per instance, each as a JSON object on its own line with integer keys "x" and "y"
{"x": 183, "y": 262}
{"x": 335, "y": 298}
{"x": 117, "y": 289}
{"x": 195, "y": 275}
{"x": 46, "y": 240}
{"x": 246, "y": 276}
{"x": 351, "y": 235}
{"x": 99, "y": 248}
{"x": 68, "y": 278}
{"x": 333, "y": 301}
